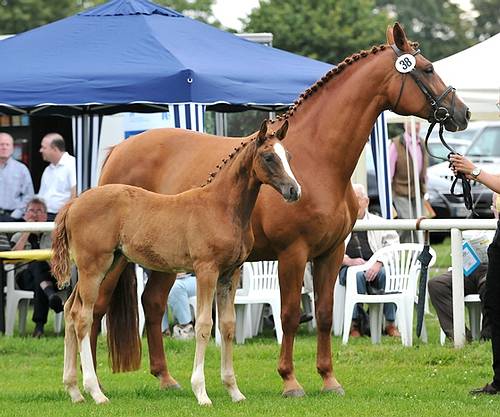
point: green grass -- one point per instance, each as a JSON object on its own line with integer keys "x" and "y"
{"x": 380, "y": 380}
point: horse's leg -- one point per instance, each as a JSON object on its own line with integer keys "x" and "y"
{"x": 70, "y": 380}
{"x": 91, "y": 275}
{"x": 154, "y": 301}
{"x": 325, "y": 273}
{"x": 226, "y": 289}
{"x": 291, "y": 268}
{"x": 206, "y": 279}
{"x": 101, "y": 306}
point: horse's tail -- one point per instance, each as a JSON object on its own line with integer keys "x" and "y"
{"x": 61, "y": 262}
{"x": 124, "y": 343}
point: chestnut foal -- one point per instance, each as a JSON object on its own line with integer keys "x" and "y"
{"x": 206, "y": 230}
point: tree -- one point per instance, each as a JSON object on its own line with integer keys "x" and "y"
{"x": 17, "y": 16}
{"x": 488, "y": 20}
{"x": 328, "y": 30}
{"x": 440, "y": 27}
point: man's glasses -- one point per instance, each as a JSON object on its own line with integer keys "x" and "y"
{"x": 36, "y": 211}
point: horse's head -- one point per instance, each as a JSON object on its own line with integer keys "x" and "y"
{"x": 416, "y": 89}
{"x": 271, "y": 163}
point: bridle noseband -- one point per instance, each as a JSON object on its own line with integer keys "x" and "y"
{"x": 438, "y": 115}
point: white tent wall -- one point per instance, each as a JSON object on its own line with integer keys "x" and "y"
{"x": 475, "y": 73}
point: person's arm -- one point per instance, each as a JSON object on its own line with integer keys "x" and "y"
{"x": 348, "y": 261}
{"x": 393, "y": 157}
{"x": 21, "y": 242}
{"x": 462, "y": 164}
{"x": 25, "y": 195}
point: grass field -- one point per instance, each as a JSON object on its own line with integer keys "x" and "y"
{"x": 380, "y": 380}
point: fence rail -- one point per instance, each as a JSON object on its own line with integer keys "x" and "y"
{"x": 455, "y": 226}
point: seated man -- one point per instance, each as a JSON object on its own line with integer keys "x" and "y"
{"x": 36, "y": 276}
{"x": 440, "y": 289}
{"x": 360, "y": 248}
{"x": 178, "y": 300}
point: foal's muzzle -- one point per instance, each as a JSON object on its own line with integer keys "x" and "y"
{"x": 291, "y": 192}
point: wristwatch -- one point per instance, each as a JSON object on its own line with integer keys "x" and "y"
{"x": 475, "y": 172}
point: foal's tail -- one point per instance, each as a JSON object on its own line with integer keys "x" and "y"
{"x": 60, "y": 263}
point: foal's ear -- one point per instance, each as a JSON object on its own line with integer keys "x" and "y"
{"x": 261, "y": 136}
{"x": 281, "y": 133}
{"x": 400, "y": 38}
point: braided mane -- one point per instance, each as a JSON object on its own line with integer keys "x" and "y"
{"x": 225, "y": 160}
{"x": 329, "y": 75}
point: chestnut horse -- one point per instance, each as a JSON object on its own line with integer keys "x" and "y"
{"x": 206, "y": 230}
{"x": 329, "y": 127}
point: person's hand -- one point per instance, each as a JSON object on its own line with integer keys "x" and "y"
{"x": 460, "y": 163}
{"x": 356, "y": 261}
{"x": 372, "y": 273}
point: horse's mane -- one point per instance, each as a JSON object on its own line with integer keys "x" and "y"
{"x": 225, "y": 160}
{"x": 329, "y": 75}
{"x": 306, "y": 94}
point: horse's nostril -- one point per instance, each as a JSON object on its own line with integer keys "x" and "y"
{"x": 468, "y": 114}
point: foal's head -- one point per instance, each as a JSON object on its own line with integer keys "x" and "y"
{"x": 271, "y": 162}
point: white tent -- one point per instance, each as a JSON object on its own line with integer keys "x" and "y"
{"x": 475, "y": 73}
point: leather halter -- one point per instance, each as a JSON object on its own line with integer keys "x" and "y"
{"x": 438, "y": 115}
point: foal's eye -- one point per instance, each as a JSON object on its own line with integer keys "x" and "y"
{"x": 269, "y": 157}
{"x": 429, "y": 70}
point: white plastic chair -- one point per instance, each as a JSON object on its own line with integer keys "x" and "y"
{"x": 473, "y": 304}
{"x": 19, "y": 300}
{"x": 338, "y": 308}
{"x": 260, "y": 286}
{"x": 402, "y": 272}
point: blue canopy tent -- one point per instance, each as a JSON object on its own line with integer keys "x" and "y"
{"x": 134, "y": 55}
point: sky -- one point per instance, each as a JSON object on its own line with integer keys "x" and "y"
{"x": 228, "y": 12}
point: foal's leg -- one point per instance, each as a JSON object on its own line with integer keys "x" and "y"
{"x": 206, "y": 279}
{"x": 325, "y": 273}
{"x": 154, "y": 300}
{"x": 70, "y": 380}
{"x": 101, "y": 306}
{"x": 226, "y": 289}
{"x": 91, "y": 275}
{"x": 291, "y": 268}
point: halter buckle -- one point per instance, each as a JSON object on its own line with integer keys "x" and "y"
{"x": 441, "y": 114}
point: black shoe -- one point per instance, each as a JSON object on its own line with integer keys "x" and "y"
{"x": 56, "y": 303}
{"x": 487, "y": 389}
{"x": 37, "y": 333}
{"x": 304, "y": 318}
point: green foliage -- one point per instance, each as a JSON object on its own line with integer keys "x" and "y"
{"x": 17, "y": 16}
{"x": 488, "y": 19}
{"x": 328, "y": 30}
{"x": 439, "y": 26}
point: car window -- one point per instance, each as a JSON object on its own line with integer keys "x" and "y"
{"x": 487, "y": 144}
{"x": 467, "y": 134}
{"x": 437, "y": 149}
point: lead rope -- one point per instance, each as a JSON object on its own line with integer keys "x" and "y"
{"x": 466, "y": 186}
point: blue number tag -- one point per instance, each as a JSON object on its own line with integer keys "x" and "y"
{"x": 405, "y": 63}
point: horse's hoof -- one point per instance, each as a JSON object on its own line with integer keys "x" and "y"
{"x": 174, "y": 387}
{"x": 206, "y": 402}
{"x": 101, "y": 399}
{"x": 239, "y": 398}
{"x": 294, "y": 393}
{"x": 335, "y": 390}
{"x": 77, "y": 399}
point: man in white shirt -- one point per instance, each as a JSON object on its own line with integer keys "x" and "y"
{"x": 58, "y": 184}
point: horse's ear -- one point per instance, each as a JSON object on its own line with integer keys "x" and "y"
{"x": 400, "y": 38}
{"x": 389, "y": 35}
{"x": 281, "y": 133}
{"x": 261, "y": 136}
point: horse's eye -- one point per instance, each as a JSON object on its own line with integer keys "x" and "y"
{"x": 269, "y": 157}
{"x": 429, "y": 70}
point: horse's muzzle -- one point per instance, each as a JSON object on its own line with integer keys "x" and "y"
{"x": 291, "y": 192}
